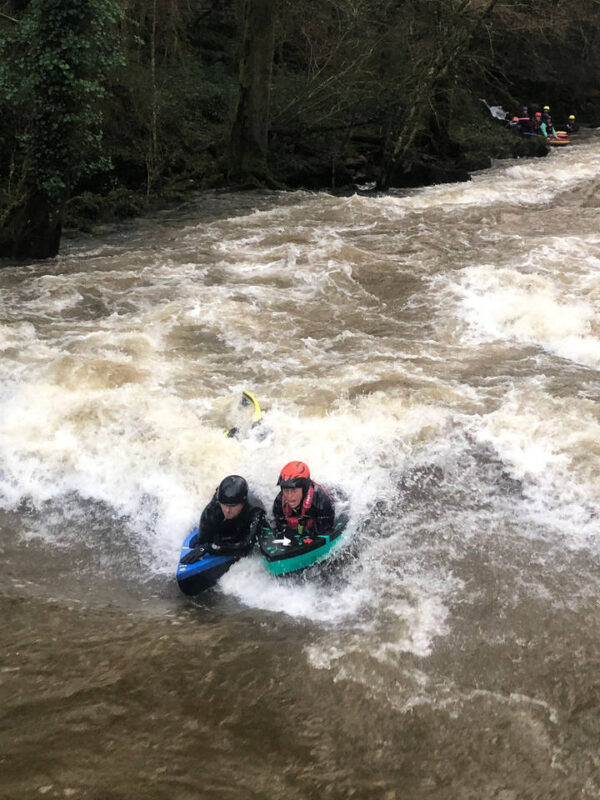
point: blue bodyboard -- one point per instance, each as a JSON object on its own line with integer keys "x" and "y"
{"x": 204, "y": 573}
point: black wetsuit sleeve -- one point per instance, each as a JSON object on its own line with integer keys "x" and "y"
{"x": 208, "y": 525}
{"x": 322, "y": 511}
{"x": 255, "y": 522}
{"x": 278, "y": 514}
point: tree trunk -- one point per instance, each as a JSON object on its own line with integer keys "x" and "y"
{"x": 31, "y": 228}
{"x": 434, "y": 82}
{"x": 249, "y": 136}
{"x": 152, "y": 157}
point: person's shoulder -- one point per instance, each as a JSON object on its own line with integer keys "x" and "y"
{"x": 254, "y": 503}
{"x": 278, "y": 501}
{"x": 211, "y": 506}
{"x": 322, "y": 493}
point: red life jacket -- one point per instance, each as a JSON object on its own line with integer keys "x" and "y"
{"x": 288, "y": 512}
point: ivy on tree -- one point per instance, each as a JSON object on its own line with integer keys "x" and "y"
{"x": 65, "y": 49}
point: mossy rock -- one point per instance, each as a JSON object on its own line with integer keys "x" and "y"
{"x": 122, "y": 203}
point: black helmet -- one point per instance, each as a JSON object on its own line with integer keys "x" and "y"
{"x": 232, "y": 490}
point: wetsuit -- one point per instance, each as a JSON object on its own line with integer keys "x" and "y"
{"x": 230, "y": 536}
{"x": 525, "y": 125}
{"x": 547, "y": 130}
{"x": 318, "y": 517}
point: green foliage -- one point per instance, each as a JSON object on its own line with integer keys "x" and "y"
{"x": 193, "y": 104}
{"x": 87, "y": 207}
{"x": 354, "y": 82}
{"x": 61, "y": 53}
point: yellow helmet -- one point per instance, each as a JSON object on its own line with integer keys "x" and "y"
{"x": 571, "y": 116}
{"x": 546, "y": 108}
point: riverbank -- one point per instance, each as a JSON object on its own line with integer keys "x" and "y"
{"x": 474, "y": 141}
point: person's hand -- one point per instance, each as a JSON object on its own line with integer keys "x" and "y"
{"x": 194, "y": 555}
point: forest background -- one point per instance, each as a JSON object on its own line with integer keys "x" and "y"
{"x": 112, "y": 107}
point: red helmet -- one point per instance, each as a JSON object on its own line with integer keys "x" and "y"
{"x": 294, "y": 475}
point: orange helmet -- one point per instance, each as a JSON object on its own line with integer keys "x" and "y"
{"x": 294, "y": 475}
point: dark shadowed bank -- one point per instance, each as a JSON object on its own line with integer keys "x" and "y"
{"x": 113, "y": 109}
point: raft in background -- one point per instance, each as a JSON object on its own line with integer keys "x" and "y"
{"x": 204, "y": 573}
{"x": 291, "y": 551}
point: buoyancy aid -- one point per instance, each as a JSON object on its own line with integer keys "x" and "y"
{"x": 292, "y": 519}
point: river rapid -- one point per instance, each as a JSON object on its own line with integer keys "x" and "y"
{"x": 435, "y": 354}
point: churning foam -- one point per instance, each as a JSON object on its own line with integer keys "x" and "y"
{"x": 532, "y": 309}
{"x": 112, "y": 386}
{"x": 552, "y": 445}
{"x": 526, "y": 183}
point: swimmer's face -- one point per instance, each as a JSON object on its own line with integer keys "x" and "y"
{"x": 230, "y": 512}
{"x": 292, "y": 497}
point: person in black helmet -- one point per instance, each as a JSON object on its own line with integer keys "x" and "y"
{"x": 547, "y": 129}
{"x": 230, "y": 522}
{"x": 302, "y": 504}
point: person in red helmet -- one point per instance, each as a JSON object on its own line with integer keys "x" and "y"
{"x": 302, "y": 504}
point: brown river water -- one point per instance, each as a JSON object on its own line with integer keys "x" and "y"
{"x": 434, "y": 354}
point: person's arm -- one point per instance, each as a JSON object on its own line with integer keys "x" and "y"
{"x": 323, "y": 512}
{"x": 278, "y": 513}
{"x": 203, "y": 528}
{"x": 256, "y": 518}
{"x": 201, "y": 540}
{"x": 209, "y": 523}
{"x": 257, "y": 521}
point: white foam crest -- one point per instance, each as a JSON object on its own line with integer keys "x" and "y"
{"x": 387, "y": 629}
{"x": 453, "y": 700}
{"x": 17, "y": 335}
{"x": 250, "y": 582}
{"x": 552, "y": 445}
{"x": 424, "y": 618}
{"x": 510, "y": 185}
{"x": 149, "y": 456}
{"x": 353, "y": 448}
{"x": 120, "y": 447}
{"x": 352, "y": 441}
{"x": 367, "y": 599}
{"x": 531, "y": 309}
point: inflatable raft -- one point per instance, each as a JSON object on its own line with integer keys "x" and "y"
{"x": 292, "y": 551}
{"x": 199, "y": 575}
